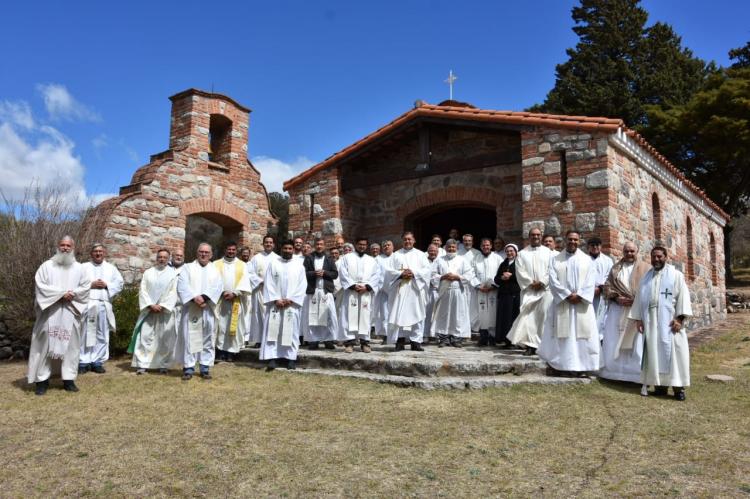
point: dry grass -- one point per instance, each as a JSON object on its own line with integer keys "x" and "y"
{"x": 251, "y": 433}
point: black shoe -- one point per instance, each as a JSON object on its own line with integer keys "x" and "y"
{"x": 229, "y": 358}
{"x": 529, "y": 351}
{"x": 679, "y": 394}
{"x": 83, "y": 368}
{"x": 257, "y": 345}
{"x": 41, "y": 387}
{"x": 206, "y": 375}
{"x": 271, "y": 365}
{"x": 291, "y": 365}
{"x": 416, "y": 346}
{"x": 329, "y": 345}
{"x": 162, "y": 371}
{"x": 483, "y": 339}
{"x": 187, "y": 376}
{"x": 69, "y": 385}
{"x": 99, "y": 369}
{"x": 400, "y": 344}
{"x": 660, "y": 391}
{"x": 312, "y": 345}
{"x": 457, "y": 344}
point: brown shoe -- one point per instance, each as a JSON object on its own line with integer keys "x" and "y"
{"x": 348, "y": 349}
{"x": 366, "y": 348}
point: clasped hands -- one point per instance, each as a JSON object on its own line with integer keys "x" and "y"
{"x": 282, "y": 303}
{"x": 450, "y": 276}
{"x": 98, "y": 284}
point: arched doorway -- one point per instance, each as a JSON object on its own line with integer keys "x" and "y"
{"x": 477, "y": 219}
{"x": 213, "y": 228}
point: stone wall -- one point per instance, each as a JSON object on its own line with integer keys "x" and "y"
{"x": 187, "y": 179}
{"x": 379, "y": 210}
{"x": 635, "y": 191}
{"x": 586, "y": 207}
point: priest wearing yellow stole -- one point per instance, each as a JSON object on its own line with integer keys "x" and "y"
{"x": 233, "y": 308}
{"x": 199, "y": 288}
{"x": 570, "y": 341}
{"x": 62, "y": 291}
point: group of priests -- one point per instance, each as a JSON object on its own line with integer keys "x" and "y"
{"x": 577, "y": 310}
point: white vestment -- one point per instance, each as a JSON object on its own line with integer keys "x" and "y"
{"x": 571, "y": 339}
{"x": 484, "y": 305}
{"x": 380, "y": 311}
{"x": 662, "y": 297}
{"x": 623, "y": 364}
{"x": 338, "y": 291}
{"x": 57, "y": 330}
{"x": 355, "y": 309}
{"x": 156, "y": 333}
{"x": 532, "y": 264}
{"x": 257, "y": 272}
{"x": 451, "y": 315}
{"x": 318, "y": 317}
{"x": 602, "y": 266}
{"x": 469, "y": 254}
{"x": 100, "y": 318}
{"x": 284, "y": 279}
{"x": 406, "y": 297}
{"x": 431, "y": 298}
{"x": 197, "y": 325}
{"x": 231, "y": 315}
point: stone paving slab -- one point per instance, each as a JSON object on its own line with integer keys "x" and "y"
{"x": 432, "y": 362}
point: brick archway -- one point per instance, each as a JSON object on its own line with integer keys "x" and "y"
{"x": 205, "y": 206}
{"x": 455, "y": 196}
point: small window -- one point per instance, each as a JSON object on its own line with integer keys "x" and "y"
{"x": 656, "y": 213}
{"x": 712, "y": 249}
{"x": 219, "y": 134}
{"x": 690, "y": 259}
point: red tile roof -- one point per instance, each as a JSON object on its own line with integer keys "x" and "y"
{"x": 581, "y": 123}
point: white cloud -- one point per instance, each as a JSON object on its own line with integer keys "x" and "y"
{"x": 273, "y": 172}
{"x": 18, "y": 113}
{"x": 61, "y": 105}
{"x": 100, "y": 141}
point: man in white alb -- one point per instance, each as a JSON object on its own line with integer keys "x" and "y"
{"x": 235, "y": 304}
{"x": 570, "y": 342}
{"x": 155, "y": 334}
{"x": 199, "y": 288}
{"x": 453, "y": 275}
{"x": 532, "y": 274}
{"x": 256, "y": 273}
{"x": 283, "y": 296}
{"x": 62, "y": 292}
{"x": 483, "y": 299}
{"x": 406, "y": 282}
{"x": 622, "y": 346}
{"x": 661, "y": 307}
{"x": 360, "y": 280}
{"x": 106, "y": 283}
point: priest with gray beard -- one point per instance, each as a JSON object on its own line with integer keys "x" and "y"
{"x": 62, "y": 293}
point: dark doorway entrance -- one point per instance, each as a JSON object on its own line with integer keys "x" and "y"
{"x": 480, "y": 221}
{"x": 212, "y": 228}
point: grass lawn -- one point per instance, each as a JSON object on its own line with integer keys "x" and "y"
{"x": 251, "y": 433}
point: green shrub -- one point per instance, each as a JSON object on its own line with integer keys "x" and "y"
{"x": 125, "y": 306}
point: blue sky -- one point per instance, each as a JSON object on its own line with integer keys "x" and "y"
{"x": 85, "y": 84}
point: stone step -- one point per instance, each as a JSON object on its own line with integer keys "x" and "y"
{"x": 433, "y": 362}
{"x": 441, "y": 382}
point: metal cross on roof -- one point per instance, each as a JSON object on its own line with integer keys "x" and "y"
{"x": 450, "y": 80}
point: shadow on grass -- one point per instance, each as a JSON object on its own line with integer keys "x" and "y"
{"x": 621, "y": 386}
{"x": 124, "y": 366}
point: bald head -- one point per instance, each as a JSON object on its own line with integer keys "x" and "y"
{"x": 629, "y": 252}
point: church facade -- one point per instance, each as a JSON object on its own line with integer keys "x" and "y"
{"x": 204, "y": 173}
{"x": 491, "y": 173}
